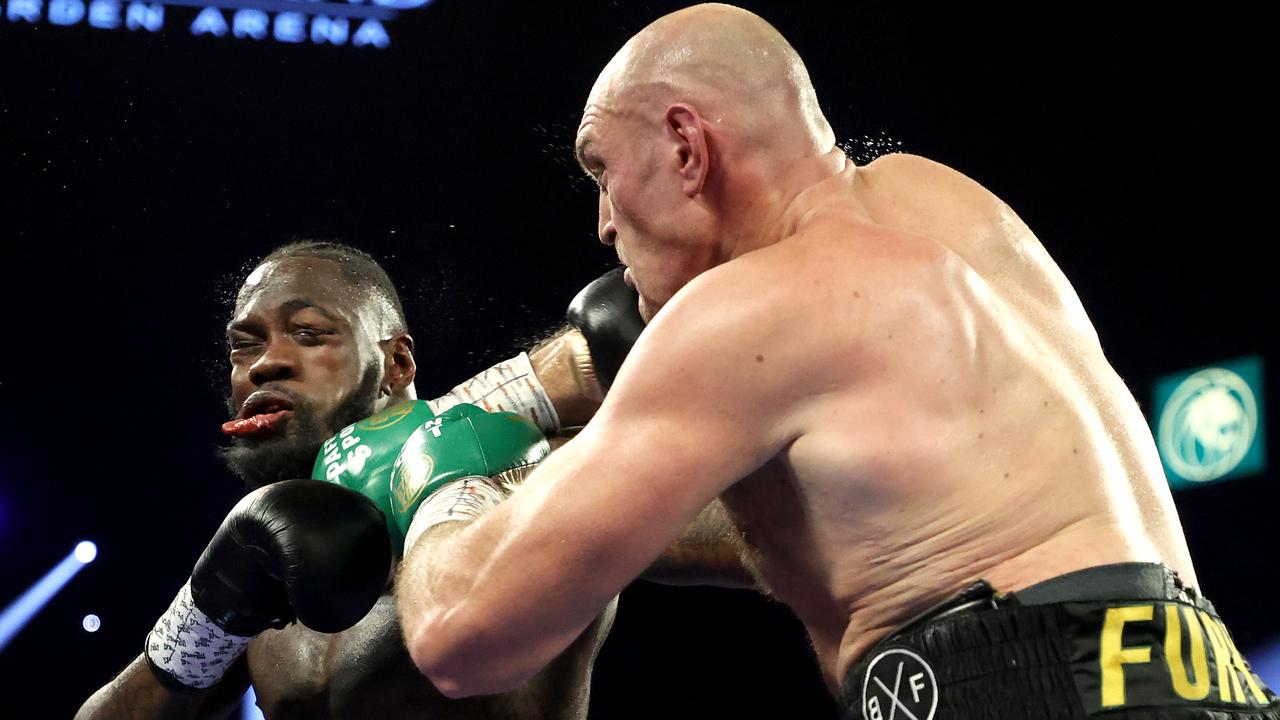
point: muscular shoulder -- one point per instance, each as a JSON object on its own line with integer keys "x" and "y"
{"x": 922, "y": 173}
{"x": 806, "y": 307}
{"x": 935, "y": 194}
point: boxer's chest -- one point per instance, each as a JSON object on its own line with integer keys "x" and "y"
{"x": 289, "y": 671}
{"x": 300, "y": 673}
{"x": 366, "y": 672}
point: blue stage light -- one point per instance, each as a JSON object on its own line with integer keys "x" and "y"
{"x": 86, "y": 551}
{"x": 91, "y": 623}
{"x": 20, "y": 611}
{"x": 249, "y": 706}
{"x": 1266, "y": 663}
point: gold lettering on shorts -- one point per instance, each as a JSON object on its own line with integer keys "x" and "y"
{"x": 1240, "y": 667}
{"x": 1113, "y": 656}
{"x": 1228, "y": 681}
{"x": 1186, "y": 689}
{"x": 1243, "y": 667}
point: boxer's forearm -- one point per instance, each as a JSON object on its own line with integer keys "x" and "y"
{"x": 486, "y": 609}
{"x": 562, "y": 364}
{"x": 440, "y": 613}
{"x": 554, "y": 385}
{"x": 707, "y": 554}
{"x": 136, "y": 694}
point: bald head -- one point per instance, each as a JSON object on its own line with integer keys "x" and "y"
{"x": 699, "y": 132}
{"x": 729, "y": 64}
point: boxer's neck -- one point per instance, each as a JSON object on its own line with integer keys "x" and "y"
{"x": 770, "y": 214}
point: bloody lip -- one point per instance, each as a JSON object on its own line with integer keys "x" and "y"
{"x": 256, "y": 424}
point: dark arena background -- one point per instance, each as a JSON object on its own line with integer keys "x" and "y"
{"x": 150, "y": 150}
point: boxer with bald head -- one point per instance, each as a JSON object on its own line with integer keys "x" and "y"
{"x": 895, "y": 392}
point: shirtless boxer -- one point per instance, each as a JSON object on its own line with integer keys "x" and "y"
{"x": 318, "y": 340}
{"x": 893, "y": 389}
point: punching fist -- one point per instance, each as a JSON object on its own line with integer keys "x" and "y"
{"x": 607, "y": 314}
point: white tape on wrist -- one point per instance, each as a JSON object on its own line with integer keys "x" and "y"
{"x": 187, "y": 644}
{"x": 459, "y": 501}
{"x": 510, "y": 386}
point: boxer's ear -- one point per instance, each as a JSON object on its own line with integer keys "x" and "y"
{"x": 398, "y": 365}
{"x": 693, "y": 156}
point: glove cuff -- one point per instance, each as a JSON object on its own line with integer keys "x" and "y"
{"x": 187, "y": 650}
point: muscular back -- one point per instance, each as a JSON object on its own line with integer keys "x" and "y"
{"x": 366, "y": 672}
{"x": 968, "y": 425}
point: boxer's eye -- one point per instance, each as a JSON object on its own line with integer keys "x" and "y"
{"x": 310, "y": 336}
{"x": 234, "y": 344}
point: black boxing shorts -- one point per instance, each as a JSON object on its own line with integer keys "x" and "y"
{"x": 1112, "y": 642}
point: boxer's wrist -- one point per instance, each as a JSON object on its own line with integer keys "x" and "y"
{"x": 511, "y": 386}
{"x": 187, "y": 650}
{"x": 563, "y": 366}
{"x": 459, "y": 501}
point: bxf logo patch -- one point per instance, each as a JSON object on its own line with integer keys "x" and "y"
{"x": 899, "y": 686}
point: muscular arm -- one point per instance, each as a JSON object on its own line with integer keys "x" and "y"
{"x": 709, "y": 394}
{"x": 136, "y": 694}
{"x": 706, "y": 553}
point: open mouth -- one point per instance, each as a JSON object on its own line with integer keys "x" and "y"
{"x": 264, "y": 412}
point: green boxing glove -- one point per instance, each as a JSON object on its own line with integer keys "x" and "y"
{"x": 361, "y": 456}
{"x": 457, "y": 465}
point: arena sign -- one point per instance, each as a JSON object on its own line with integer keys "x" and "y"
{"x": 1208, "y": 423}
{"x": 358, "y": 23}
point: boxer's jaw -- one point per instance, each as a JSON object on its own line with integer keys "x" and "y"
{"x": 291, "y": 452}
{"x": 647, "y": 311}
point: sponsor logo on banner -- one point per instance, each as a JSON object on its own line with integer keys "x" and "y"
{"x": 1209, "y": 423}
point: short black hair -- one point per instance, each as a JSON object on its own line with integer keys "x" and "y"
{"x": 358, "y": 268}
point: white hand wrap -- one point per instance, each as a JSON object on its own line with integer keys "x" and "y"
{"x": 510, "y": 386}
{"x": 187, "y": 645}
{"x": 460, "y": 500}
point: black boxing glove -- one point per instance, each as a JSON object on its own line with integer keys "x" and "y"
{"x": 607, "y": 314}
{"x": 302, "y": 549}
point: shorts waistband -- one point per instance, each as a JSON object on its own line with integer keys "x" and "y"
{"x": 1053, "y": 650}
{"x": 1121, "y": 581}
